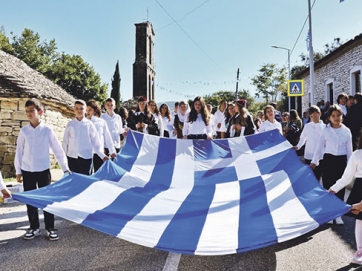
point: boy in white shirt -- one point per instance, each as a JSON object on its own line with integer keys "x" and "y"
{"x": 114, "y": 123}
{"x": 220, "y": 120}
{"x": 32, "y": 163}
{"x": 310, "y": 136}
{"x": 81, "y": 140}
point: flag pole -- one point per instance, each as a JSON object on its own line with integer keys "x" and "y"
{"x": 311, "y": 60}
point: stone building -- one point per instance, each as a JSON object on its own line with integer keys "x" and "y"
{"x": 337, "y": 72}
{"x": 18, "y": 83}
{"x": 143, "y": 67}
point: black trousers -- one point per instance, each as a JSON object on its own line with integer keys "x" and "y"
{"x": 80, "y": 165}
{"x": 333, "y": 168}
{"x": 318, "y": 170}
{"x": 31, "y": 181}
{"x": 97, "y": 162}
{"x": 106, "y": 151}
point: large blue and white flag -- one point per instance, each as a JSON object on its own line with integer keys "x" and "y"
{"x": 196, "y": 196}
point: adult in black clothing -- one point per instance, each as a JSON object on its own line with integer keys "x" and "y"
{"x": 142, "y": 120}
{"x": 354, "y": 118}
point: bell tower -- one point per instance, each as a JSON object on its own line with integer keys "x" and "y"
{"x": 143, "y": 67}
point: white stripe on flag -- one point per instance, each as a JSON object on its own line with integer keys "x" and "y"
{"x": 290, "y": 218}
{"x": 221, "y": 227}
{"x": 165, "y": 205}
{"x": 285, "y": 145}
{"x": 80, "y": 206}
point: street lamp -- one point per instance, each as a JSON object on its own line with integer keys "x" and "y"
{"x": 278, "y": 47}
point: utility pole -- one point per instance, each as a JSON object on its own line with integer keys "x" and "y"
{"x": 311, "y": 60}
{"x": 237, "y": 84}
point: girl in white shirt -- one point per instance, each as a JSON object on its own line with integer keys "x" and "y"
{"x": 197, "y": 125}
{"x": 354, "y": 170}
{"x": 155, "y": 127}
{"x": 166, "y": 119}
{"x": 335, "y": 146}
{"x": 270, "y": 123}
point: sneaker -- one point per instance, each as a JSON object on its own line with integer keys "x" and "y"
{"x": 52, "y": 235}
{"x": 357, "y": 257}
{"x": 30, "y": 234}
{"x": 339, "y": 221}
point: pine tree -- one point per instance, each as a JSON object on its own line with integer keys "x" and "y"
{"x": 116, "y": 88}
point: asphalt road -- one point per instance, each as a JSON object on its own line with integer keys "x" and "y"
{"x": 81, "y": 248}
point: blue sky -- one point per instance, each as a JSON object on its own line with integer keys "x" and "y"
{"x": 222, "y": 36}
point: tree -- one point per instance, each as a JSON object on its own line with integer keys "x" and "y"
{"x": 116, "y": 88}
{"x": 5, "y": 44}
{"x": 270, "y": 81}
{"x": 78, "y": 78}
{"x": 72, "y": 73}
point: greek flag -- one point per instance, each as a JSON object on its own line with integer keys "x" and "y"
{"x": 204, "y": 197}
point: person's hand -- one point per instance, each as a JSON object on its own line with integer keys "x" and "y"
{"x": 312, "y": 166}
{"x": 209, "y": 138}
{"x": 6, "y": 193}
{"x": 184, "y": 137}
{"x": 113, "y": 155}
{"x": 105, "y": 158}
{"x": 331, "y": 191}
{"x": 18, "y": 178}
{"x": 125, "y": 131}
{"x": 174, "y": 132}
{"x": 142, "y": 125}
{"x": 218, "y": 125}
{"x": 138, "y": 125}
{"x": 356, "y": 208}
{"x": 295, "y": 147}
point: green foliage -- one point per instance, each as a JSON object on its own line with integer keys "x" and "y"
{"x": 270, "y": 82}
{"x": 4, "y": 42}
{"x": 70, "y": 72}
{"x": 116, "y": 88}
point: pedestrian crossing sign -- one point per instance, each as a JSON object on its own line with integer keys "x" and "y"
{"x": 295, "y": 87}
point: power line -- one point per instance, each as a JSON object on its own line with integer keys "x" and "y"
{"x": 198, "y": 46}
{"x": 188, "y": 13}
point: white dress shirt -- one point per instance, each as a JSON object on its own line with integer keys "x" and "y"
{"x": 344, "y": 109}
{"x": 81, "y": 139}
{"x": 159, "y": 122}
{"x": 2, "y": 183}
{"x": 268, "y": 126}
{"x": 335, "y": 141}
{"x": 167, "y": 125}
{"x": 115, "y": 127}
{"x": 197, "y": 127}
{"x": 220, "y": 118}
{"x": 32, "y": 149}
{"x": 353, "y": 170}
{"x": 104, "y": 135}
{"x": 309, "y": 137}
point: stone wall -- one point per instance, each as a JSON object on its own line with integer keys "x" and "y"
{"x": 13, "y": 117}
{"x": 338, "y": 70}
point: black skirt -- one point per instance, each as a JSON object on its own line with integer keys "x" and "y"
{"x": 333, "y": 168}
{"x": 355, "y": 197}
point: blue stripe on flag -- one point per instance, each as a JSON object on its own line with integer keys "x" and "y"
{"x": 129, "y": 151}
{"x": 183, "y": 233}
{"x": 305, "y": 185}
{"x": 109, "y": 171}
{"x": 211, "y": 149}
{"x": 114, "y": 217}
{"x": 263, "y": 141}
{"x": 216, "y": 175}
{"x": 62, "y": 190}
{"x": 254, "y": 218}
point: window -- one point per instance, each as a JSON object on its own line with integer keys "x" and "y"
{"x": 150, "y": 50}
{"x": 355, "y": 79}
{"x": 330, "y": 91}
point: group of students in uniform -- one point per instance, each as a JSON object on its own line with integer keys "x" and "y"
{"x": 92, "y": 137}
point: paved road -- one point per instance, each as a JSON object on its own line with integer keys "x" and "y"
{"x": 81, "y": 248}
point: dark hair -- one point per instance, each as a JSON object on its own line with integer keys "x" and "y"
{"x": 167, "y": 114}
{"x": 110, "y": 99}
{"x": 177, "y": 103}
{"x": 294, "y": 115}
{"x": 80, "y": 102}
{"x": 359, "y": 141}
{"x": 37, "y": 104}
{"x": 156, "y": 107}
{"x": 204, "y": 113}
{"x": 138, "y": 107}
{"x": 265, "y": 108}
{"x": 123, "y": 112}
{"x": 95, "y": 106}
{"x": 273, "y": 104}
{"x": 242, "y": 113}
{"x": 358, "y": 97}
{"x": 333, "y": 107}
{"x": 313, "y": 109}
{"x": 340, "y": 96}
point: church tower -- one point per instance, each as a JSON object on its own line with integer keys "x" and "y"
{"x": 143, "y": 67}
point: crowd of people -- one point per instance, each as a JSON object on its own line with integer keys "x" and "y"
{"x": 328, "y": 133}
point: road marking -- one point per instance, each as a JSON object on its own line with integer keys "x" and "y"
{"x": 172, "y": 262}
